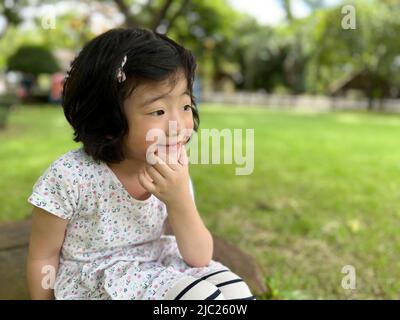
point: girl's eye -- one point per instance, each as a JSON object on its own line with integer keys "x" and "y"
{"x": 157, "y": 113}
{"x": 187, "y": 107}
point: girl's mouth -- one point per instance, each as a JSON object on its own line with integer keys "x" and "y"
{"x": 172, "y": 144}
{"x": 169, "y": 153}
{"x": 171, "y": 147}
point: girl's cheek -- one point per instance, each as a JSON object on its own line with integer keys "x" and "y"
{"x": 189, "y": 121}
{"x": 190, "y": 125}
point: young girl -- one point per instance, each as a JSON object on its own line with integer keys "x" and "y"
{"x": 100, "y": 211}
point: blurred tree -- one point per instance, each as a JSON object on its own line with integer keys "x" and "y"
{"x": 315, "y": 4}
{"x": 287, "y": 6}
{"x": 275, "y": 58}
{"x": 263, "y": 59}
{"x": 311, "y": 4}
{"x": 210, "y": 32}
{"x": 247, "y": 27}
{"x": 155, "y": 15}
{"x": 33, "y": 60}
{"x": 372, "y": 49}
{"x": 9, "y": 10}
{"x": 294, "y": 39}
{"x": 205, "y": 26}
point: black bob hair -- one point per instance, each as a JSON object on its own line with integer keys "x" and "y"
{"x": 93, "y": 98}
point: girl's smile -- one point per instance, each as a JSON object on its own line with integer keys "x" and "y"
{"x": 159, "y": 121}
{"x": 170, "y": 152}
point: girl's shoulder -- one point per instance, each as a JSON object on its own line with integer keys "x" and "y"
{"x": 76, "y": 159}
{"x": 59, "y": 189}
{"x": 75, "y": 165}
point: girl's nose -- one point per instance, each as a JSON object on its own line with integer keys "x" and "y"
{"x": 174, "y": 127}
{"x": 175, "y": 124}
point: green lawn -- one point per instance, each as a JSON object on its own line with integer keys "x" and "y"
{"x": 325, "y": 193}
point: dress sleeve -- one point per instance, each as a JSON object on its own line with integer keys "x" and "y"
{"x": 57, "y": 190}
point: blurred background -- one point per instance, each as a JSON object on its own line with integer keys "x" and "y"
{"x": 318, "y": 81}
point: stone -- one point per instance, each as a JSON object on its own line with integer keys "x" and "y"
{"x": 14, "y": 239}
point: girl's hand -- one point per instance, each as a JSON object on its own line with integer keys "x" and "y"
{"x": 168, "y": 182}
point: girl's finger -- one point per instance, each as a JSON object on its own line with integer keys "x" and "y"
{"x": 164, "y": 169}
{"x": 146, "y": 174}
{"x": 174, "y": 164}
{"x": 146, "y": 183}
{"x": 154, "y": 174}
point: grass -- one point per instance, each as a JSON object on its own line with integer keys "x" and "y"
{"x": 324, "y": 193}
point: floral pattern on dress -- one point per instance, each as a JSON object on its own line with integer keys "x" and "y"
{"x": 114, "y": 246}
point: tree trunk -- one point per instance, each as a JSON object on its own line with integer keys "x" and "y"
{"x": 161, "y": 14}
{"x": 178, "y": 13}
{"x": 130, "y": 20}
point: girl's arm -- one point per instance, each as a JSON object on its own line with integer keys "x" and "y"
{"x": 170, "y": 184}
{"x": 47, "y": 237}
{"x": 194, "y": 241}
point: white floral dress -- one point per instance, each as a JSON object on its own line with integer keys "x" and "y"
{"x": 114, "y": 246}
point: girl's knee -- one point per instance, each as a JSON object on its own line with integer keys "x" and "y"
{"x": 190, "y": 288}
{"x": 230, "y": 284}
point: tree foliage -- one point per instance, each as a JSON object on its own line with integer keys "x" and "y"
{"x": 308, "y": 54}
{"x": 33, "y": 60}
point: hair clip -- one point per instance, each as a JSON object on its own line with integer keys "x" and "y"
{"x": 121, "y": 77}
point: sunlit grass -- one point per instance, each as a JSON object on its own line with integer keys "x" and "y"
{"x": 324, "y": 193}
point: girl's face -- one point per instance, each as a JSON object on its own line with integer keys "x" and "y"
{"x": 163, "y": 110}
